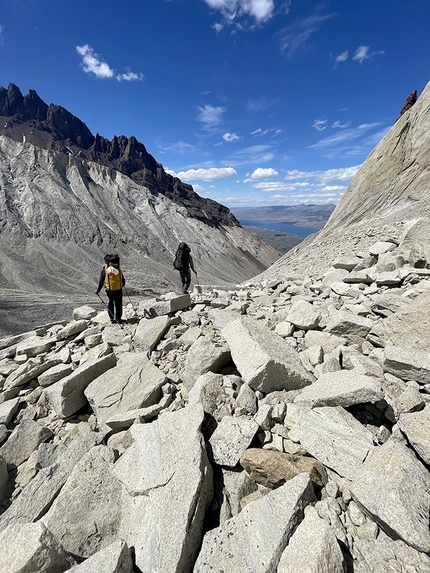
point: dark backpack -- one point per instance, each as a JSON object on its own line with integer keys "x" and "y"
{"x": 112, "y": 259}
{"x": 180, "y": 261}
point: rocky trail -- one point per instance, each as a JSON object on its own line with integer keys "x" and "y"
{"x": 276, "y": 426}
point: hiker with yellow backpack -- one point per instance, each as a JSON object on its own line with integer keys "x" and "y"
{"x": 113, "y": 280}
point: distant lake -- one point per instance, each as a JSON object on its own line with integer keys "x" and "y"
{"x": 301, "y": 232}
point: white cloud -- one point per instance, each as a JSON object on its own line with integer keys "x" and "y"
{"x": 262, "y": 173}
{"x": 362, "y": 53}
{"x": 342, "y": 57}
{"x": 260, "y": 10}
{"x": 230, "y": 137}
{"x": 129, "y": 77}
{"x": 91, "y": 63}
{"x": 210, "y": 116}
{"x": 277, "y": 186}
{"x": 340, "y": 174}
{"x": 211, "y": 174}
{"x": 198, "y": 188}
{"x": 320, "y": 124}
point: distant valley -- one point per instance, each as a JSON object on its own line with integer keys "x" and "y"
{"x": 301, "y": 215}
{"x": 309, "y": 216}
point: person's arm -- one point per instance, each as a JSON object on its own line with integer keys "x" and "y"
{"x": 101, "y": 281}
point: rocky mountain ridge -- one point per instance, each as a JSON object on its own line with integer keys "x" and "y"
{"x": 51, "y": 126}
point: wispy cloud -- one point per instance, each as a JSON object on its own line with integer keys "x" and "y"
{"x": 180, "y": 147}
{"x": 211, "y": 174}
{"x": 339, "y": 125}
{"x": 344, "y": 136}
{"x": 362, "y": 53}
{"x": 261, "y": 173}
{"x": 295, "y": 36}
{"x": 209, "y": 115}
{"x": 251, "y": 155}
{"x": 320, "y": 124}
{"x": 341, "y": 57}
{"x": 259, "y": 132}
{"x": 1, "y": 34}
{"x": 92, "y": 63}
{"x": 259, "y": 10}
{"x": 230, "y": 137}
{"x": 256, "y": 105}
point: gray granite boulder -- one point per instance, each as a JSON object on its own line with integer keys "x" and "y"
{"x": 335, "y": 438}
{"x": 264, "y": 359}
{"x": 115, "y": 558}
{"x": 231, "y": 438}
{"x": 86, "y": 515}
{"x": 343, "y": 388}
{"x": 313, "y": 548}
{"x": 392, "y": 486}
{"x": 168, "y": 481}
{"x": 133, "y": 383}
{"x": 204, "y": 356}
{"x": 31, "y": 548}
{"x": 415, "y": 426}
{"x": 254, "y": 540}
{"x": 67, "y": 395}
{"x": 149, "y": 332}
{"x": 23, "y": 441}
{"x": 407, "y": 364}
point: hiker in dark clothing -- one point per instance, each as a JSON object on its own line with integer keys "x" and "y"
{"x": 113, "y": 280}
{"x": 184, "y": 264}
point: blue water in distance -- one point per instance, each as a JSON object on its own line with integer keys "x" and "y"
{"x": 301, "y": 232}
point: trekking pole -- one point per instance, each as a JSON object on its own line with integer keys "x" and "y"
{"x": 109, "y": 312}
{"x": 132, "y": 305}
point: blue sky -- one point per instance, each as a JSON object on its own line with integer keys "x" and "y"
{"x": 253, "y": 102}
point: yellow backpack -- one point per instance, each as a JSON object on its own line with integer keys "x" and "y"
{"x": 113, "y": 276}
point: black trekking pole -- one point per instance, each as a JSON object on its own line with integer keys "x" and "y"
{"x": 132, "y": 305}
{"x": 109, "y": 312}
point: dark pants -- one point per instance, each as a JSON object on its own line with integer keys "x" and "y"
{"x": 115, "y": 300}
{"x": 186, "y": 279}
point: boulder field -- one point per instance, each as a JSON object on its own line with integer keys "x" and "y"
{"x": 277, "y": 426}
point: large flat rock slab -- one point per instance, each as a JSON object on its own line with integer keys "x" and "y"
{"x": 265, "y": 361}
{"x": 86, "y": 515}
{"x": 133, "y": 383}
{"x": 168, "y": 478}
{"x": 253, "y": 540}
{"x": 343, "y": 388}
{"x": 313, "y": 548}
{"x": 335, "y": 438}
{"x": 392, "y": 486}
{"x": 67, "y": 396}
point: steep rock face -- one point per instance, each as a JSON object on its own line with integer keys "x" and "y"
{"x": 28, "y": 118}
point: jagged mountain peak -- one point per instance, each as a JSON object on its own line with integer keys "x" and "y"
{"x": 53, "y": 127}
